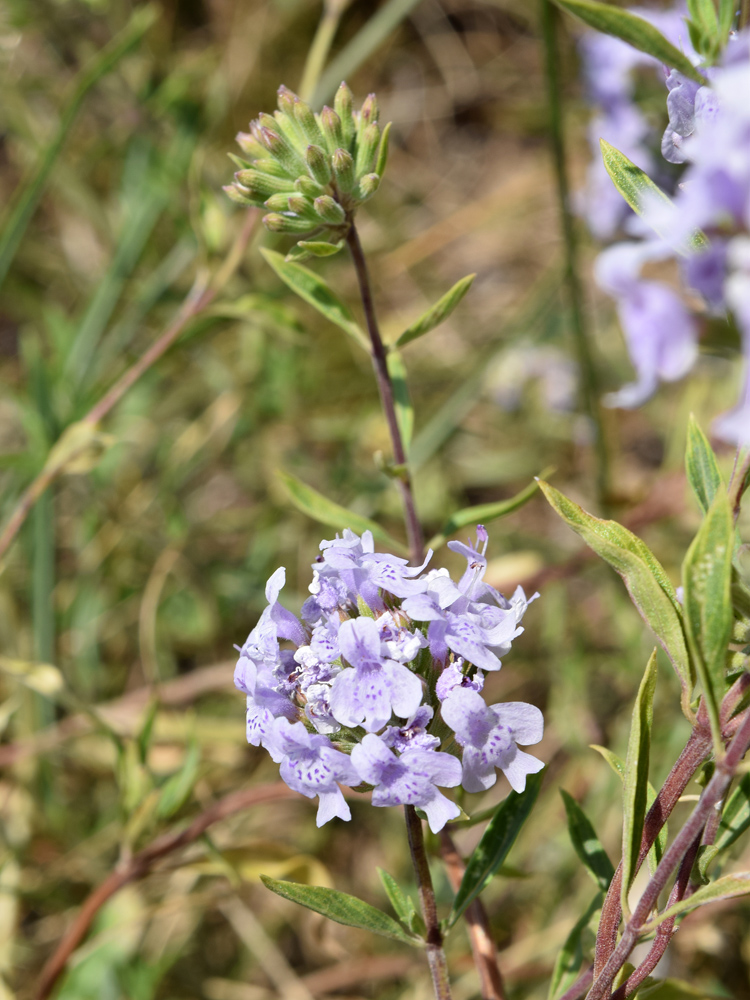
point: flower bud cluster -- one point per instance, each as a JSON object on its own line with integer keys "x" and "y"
{"x": 379, "y": 682}
{"x": 311, "y": 170}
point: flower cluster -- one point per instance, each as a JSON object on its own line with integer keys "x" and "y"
{"x": 706, "y": 228}
{"x": 609, "y": 68}
{"x": 311, "y": 170}
{"x": 379, "y": 681}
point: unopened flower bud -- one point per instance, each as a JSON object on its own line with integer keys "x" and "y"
{"x": 261, "y": 183}
{"x": 281, "y": 150}
{"x": 318, "y": 164}
{"x": 366, "y": 149}
{"x": 272, "y": 167}
{"x": 302, "y": 206}
{"x": 278, "y": 202}
{"x": 277, "y": 222}
{"x": 308, "y": 123}
{"x": 239, "y": 196}
{"x": 285, "y": 99}
{"x": 367, "y": 186}
{"x": 370, "y": 111}
{"x": 329, "y": 210}
{"x": 331, "y": 126}
{"x": 343, "y": 169}
{"x": 249, "y": 145}
{"x": 343, "y": 106}
{"x": 309, "y": 187}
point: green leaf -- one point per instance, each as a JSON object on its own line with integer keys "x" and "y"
{"x": 587, "y": 845}
{"x": 401, "y": 902}
{"x": 313, "y": 248}
{"x": 321, "y": 509}
{"x": 570, "y": 958}
{"x": 383, "y": 151}
{"x": 316, "y": 293}
{"x": 495, "y": 844}
{"x": 177, "y": 789}
{"x": 401, "y": 398}
{"x": 703, "y": 13}
{"x": 644, "y": 576}
{"x": 483, "y": 513}
{"x": 727, "y": 10}
{"x": 618, "y": 766}
{"x": 633, "y": 30}
{"x": 707, "y": 583}
{"x": 728, "y": 887}
{"x": 437, "y": 313}
{"x": 735, "y": 820}
{"x": 637, "y": 188}
{"x": 701, "y": 466}
{"x": 635, "y": 780}
{"x": 672, "y": 989}
{"x": 143, "y": 738}
{"x": 342, "y": 908}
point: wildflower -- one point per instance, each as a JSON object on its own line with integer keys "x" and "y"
{"x": 356, "y": 699}
{"x": 489, "y": 735}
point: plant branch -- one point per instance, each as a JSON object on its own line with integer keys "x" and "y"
{"x": 482, "y": 944}
{"x": 385, "y": 388}
{"x": 712, "y": 794}
{"x": 200, "y": 296}
{"x": 435, "y": 954}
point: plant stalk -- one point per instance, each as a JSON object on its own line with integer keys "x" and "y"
{"x": 321, "y": 46}
{"x": 435, "y": 954}
{"x": 589, "y": 374}
{"x": 385, "y": 388}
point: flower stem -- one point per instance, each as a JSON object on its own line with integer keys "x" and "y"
{"x": 589, "y": 374}
{"x": 385, "y": 388}
{"x": 435, "y": 954}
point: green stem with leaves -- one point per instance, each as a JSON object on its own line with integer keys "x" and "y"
{"x": 589, "y": 375}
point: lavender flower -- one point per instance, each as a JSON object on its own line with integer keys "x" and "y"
{"x": 355, "y": 701}
{"x": 410, "y": 779}
{"x": 489, "y": 735}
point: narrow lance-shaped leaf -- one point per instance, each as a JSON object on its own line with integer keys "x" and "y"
{"x": 701, "y": 466}
{"x": 342, "y": 908}
{"x": 707, "y": 583}
{"x": 177, "y": 789}
{"x": 638, "y": 189}
{"x": 325, "y": 511}
{"x": 401, "y": 398}
{"x": 310, "y": 287}
{"x": 437, "y": 313}
{"x": 635, "y": 781}
{"x": 401, "y": 901}
{"x": 632, "y": 29}
{"x": 306, "y": 249}
{"x": 648, "y": 585}
{"x": 618, "y": 766}
{"x": 483, "y": 513}
{"x": 727, "y": 887}
{"x": 570, "y": 958}
{"x": 495, "y": 844}
{"x": 587, "y": 845}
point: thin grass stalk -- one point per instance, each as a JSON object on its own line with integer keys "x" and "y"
{"x": 321, "y": 46}
{"x": 590, "y": 384}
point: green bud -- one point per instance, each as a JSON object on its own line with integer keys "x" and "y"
{"x": 329, "y": 210}
{"x": 278, "y": 202}
{"x": 281, "y": 150}
{"x": 331, "y": 126}
{"x": 262, "y": 184}
{"x": 272, "y": 167}
{"x": 278, "y": 223}
{"x": 240, "y": 197}
{"x": 318, "y": 165}
{"x": 249, "y": 145}
{"x": 285, "y": 99}
{"x": 383, "y": 151}
{"x": 343, "y": 106}
{"x": 370, "y": 111}
{"x": 367, "y": 186}
{"x": 343, "y": 170}
{"x": 308, "y": 123}
{"x": 302, "y": 206}
{"x": 309, "y": 187}
{"x": 366, "y": 149}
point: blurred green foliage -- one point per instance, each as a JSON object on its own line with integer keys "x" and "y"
{"x": 146, "y": 567}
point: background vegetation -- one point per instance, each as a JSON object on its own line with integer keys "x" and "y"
{"x": 139, "y": 569}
